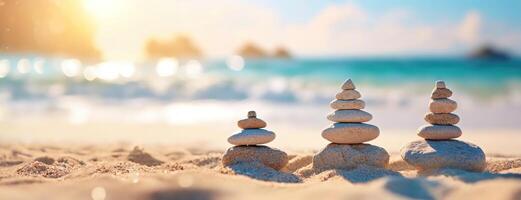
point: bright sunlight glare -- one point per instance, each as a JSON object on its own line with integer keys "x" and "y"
{"x": 101, "y": 8}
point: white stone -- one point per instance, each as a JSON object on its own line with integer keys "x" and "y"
{"x": 350, "y": 133}
{"x": 354, "y": 104}
{"x": 349, "y": 116}
{"x": 437, "y": 154}
{"x": 439, "y": 132}
{"x": 252, "y": 137}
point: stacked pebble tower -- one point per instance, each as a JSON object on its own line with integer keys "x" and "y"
{"x": 248, "y": 148}
{"x": 441, "y": 118}
{"x": 348, "y": 134}
{"x": 439, "y": 150}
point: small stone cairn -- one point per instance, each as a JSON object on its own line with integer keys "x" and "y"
{"x": 347, "y": 135}
{"x": 439, "y": 149}
{"x": 248, "y": 148}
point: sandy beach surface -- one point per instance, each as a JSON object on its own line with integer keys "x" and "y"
{"x": 158, "y": 172}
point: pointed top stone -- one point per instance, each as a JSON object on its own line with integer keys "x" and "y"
{"x": 348, "y": 85}
{"x": 252, "y": 114}
{"x": 440, "y": 84}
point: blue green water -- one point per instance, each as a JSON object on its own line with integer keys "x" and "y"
{"x": 474, "y": 77}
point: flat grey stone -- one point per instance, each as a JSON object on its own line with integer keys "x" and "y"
{"x": 251, "y": 123}
{"x": 350, "y": 133}
{"x": 439, "y": 132}
{"x": 346, "y": 156}
{"x": 349, "y": 116}
{"x": 439, "y": 93}
{"x": 354, "y": 104}
{"x": 430, "y": 154}
{"x": 348, "y": 95}
{"x": 442, "y": 105}
{"x": 442, "y": 118}
{"x": 269, "y": 157}
{"x": 252, "y": 137}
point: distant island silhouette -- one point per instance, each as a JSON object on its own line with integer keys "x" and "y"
{"x": 488, "y": 52}
{"x": 178, "y": 47}
{"x": 251, "y": 50}
{"x": 47, "y": 27}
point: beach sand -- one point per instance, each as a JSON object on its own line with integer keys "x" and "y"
{"x": 30, "y": 171}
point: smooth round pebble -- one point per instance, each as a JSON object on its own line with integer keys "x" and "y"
{"x": 251, "y": 123}
{"x": 348, "y": 95}
{"x": 349, "y": 116}
{"x": 269, "y": 157}
{"x": 442, "y": 105}
{"x": 350, "y": 133}
{"x": 430, "y": 154}
{"x": 439, "y": 93}
{"x": 442, "y": 118}
{"x": 345, "y": 156}
{"x": 354, "y": 104}
{"x": 252, "y": 137}
{"x": 439, "y": 132}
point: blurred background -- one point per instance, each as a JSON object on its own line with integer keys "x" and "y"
{"x": 183, "y": 72}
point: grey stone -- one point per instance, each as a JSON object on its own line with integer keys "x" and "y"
{"x": 350, "y": 133}
{"x": 442, "y": 118}
{"x": 348, "y": 95}
{"x": 345, "y": 156}
{"x": 442, "y": 105}
{"x": 252, "y": 137}
{"x": 348, "y": 85}
{"x": 269, "y": 157}
{"x": 439, "y": 132}
{"x": 354, "y": 104}
{"x": 429, "y": 154}
{"x": 349, "y": 116}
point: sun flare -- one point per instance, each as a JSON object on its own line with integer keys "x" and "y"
{"x": 101, "y": 8}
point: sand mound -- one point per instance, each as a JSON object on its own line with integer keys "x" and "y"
{"x": 118, "y": 168}
{"x": 49, "y": 167}
{"x": 257, "y": 170}
{"x": 139, "y": 156}
{"x": 210, "y": 161}
{"x": 499, "y": 165}
{"x": 37, "y": 168}
{"x": 298, "y": 162}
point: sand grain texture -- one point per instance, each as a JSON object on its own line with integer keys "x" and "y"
{"x": 156, "y": 173}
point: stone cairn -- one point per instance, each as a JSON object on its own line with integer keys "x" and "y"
{"x": 248, "y": 148}
{"x": 348, "y": 134}
{"x": 439, "y": 150}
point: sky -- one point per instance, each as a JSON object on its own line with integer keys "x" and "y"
{"x": 309, "y": 28}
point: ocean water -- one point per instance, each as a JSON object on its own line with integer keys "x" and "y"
{"x": 285, "y": 92}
